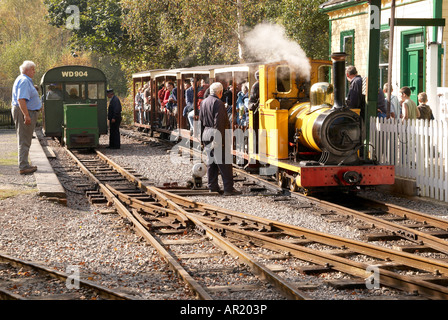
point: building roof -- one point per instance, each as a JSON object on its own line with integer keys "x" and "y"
{"x": 332, "y": 5}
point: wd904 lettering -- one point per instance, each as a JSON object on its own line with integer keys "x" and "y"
{"x": 76, "y": 74}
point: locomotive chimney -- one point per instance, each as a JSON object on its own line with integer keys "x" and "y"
{"x": 338, "y": 59}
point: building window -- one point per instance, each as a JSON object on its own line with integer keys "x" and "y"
{"x": 384, "y": 57}
{"x": 348, "y": 46}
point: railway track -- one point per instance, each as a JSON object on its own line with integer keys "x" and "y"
{"x": 155, "y": 216}
{"x": 149, "y": 204}
{"x": 24, "y": 280}
{"x": 378, "y": 221}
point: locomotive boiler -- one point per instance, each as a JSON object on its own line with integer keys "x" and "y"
{"x": 313, "y": 145}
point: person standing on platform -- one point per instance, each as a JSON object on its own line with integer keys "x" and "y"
{"x": 214, "y": 126}
{"x": 114, "y": 117}
{"x": 355, "y": 98}
{"x": 423, "y": 108}
{"x": 409, "y": 107}
{"x": 395, "y": 109}
{"x": 26, "y": 104}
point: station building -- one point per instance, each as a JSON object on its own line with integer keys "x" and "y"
{"x": 418, "y": 51}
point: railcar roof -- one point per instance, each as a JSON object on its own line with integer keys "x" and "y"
{"x": 202, "y": 69}
{"x": 147, "y": 73}
{"x": 237, "y": 67}
{"x": 73, "y": 73}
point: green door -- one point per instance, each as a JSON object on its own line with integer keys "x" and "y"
{"x": 413, "y": 61}
{"x": 415, "y": 81}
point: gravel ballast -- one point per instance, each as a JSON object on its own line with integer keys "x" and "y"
{"x": 104, "y": 247}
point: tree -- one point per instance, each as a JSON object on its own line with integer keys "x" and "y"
{"x": 24, "y": 35}
{"x": 307, "y": 25}
{"x": 182, "y": 33}
{"x": 149, "y": 34}
{"x": 100, "y": 25}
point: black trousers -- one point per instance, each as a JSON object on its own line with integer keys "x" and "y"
{"x": 214, "y": 169}
{"x": 114, "y": 134}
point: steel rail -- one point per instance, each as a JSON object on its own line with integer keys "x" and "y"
{"x": 124, "y": 212}
{"x": 427, "y": 264}
{"x": 342, "y": 264}
{"x": 358, "y": 269}
{"x": 409, "y": 213}
{"x": 403, "y": 231}
{"x": 338, "y": 263}
{"x": 409, "y": 259}
{"x": 103, "y": 291}
{"x": 262, "y": 271}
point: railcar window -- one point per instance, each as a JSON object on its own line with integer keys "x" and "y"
{"x": 74, "y": 91}
{"x": 53, "y": 91}
{"x": 96, "y": 90}
{"x": 283, "y": 79}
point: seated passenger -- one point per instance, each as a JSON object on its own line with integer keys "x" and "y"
{"x": 201, "y": 96}
{"x": 54, "y": 93}
{"x": 167, "y": 103}
{"x": 138, "y": 105}
{"x": 241, "y": 105}
{"x": 73, "y": 94}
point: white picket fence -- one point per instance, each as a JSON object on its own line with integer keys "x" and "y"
{"x": 417, "y": 148}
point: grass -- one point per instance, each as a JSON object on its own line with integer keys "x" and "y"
{"x": 9, "y": 193}
{"x": 10, "y": 159}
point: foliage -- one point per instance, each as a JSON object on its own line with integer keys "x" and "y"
{"x": 309, "y": 27}
{"x": 126, "y": 36}
{"x": 99, "y": 28}
{"x": 182, "y": 33}
{"x": 25, "y": 36}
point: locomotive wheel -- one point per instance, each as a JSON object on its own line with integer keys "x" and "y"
{"x": 293, "y": 185}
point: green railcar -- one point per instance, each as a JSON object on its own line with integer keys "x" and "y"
{"x": 74, "y": 105}
{"x": 80, "y": 127}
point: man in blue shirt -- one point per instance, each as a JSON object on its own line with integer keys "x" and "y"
{"x": 26, "y": 104}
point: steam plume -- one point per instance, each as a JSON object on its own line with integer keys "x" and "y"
{"x": 268, "y": 43}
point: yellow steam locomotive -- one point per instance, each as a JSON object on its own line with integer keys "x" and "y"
{"x": 315, "y": 145}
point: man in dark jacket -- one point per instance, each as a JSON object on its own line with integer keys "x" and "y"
{"x": 214, "y": 125}
{"x": 355, "y": 98}
{"x": 114, "y": 117}
{"x": 254, "y": 102}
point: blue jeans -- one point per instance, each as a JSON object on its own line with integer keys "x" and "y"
{"x": 381, "y": 115}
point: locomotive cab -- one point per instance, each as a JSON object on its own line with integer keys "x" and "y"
{"x": 281, "y": 90}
